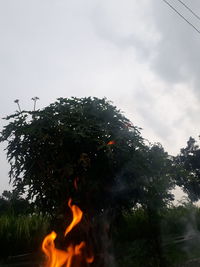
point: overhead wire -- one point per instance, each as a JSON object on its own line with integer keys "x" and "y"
{"x": 188, "y": 8}
{"x": 195, "y": 28}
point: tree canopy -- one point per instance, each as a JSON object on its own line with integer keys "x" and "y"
{"x": 87, "y": 150}
{"x": 12, "y": 204}
{"x": 84, "y": 148}
{"x": 188, "y": 175}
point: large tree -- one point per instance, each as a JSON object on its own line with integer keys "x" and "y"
{"x": 86, "y": 149}
{"x": 83, "y": 148}
{"x": 12, "y": 204}
{"x": 188, "y": 166}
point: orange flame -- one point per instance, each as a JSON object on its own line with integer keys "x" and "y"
{"x": 77, "y": 216}
{"x": 74, "y": 253}
{"x": 76, "y": 183}
{"x": 111, "y": 142}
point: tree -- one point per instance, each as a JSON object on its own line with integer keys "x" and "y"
{"x": 86, "y": 149}
{"x": 80, "y": 148}
{"x": 160, "y": 178}
{"x": 156, "y": 195}
{"x": 157, "y": 178}
{"x": 188, "y": 166}
{"x": 11, "y": 203}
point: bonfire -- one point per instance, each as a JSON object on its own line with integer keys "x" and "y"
{"x": 73, "y": 255}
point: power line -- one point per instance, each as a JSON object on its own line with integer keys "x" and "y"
{"x": 181, "y": 16}
{"x": 198, "y": 17}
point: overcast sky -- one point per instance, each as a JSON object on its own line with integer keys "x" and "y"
{"x": 139, "y": 54}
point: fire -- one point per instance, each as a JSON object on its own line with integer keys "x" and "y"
{"x": 76, "y": 183}
{"x": 111, "y": 142}
{"x": 74, "y": 254}
{"x": 77, "y": 216}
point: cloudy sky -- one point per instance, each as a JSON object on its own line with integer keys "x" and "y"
{"x": 139, "y": 54}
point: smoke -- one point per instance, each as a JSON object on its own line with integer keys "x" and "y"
{"x": 102, "y": 241}
{"x": 191, "y": 240}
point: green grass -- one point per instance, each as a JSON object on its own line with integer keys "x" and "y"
{"x": 21, "y": 234}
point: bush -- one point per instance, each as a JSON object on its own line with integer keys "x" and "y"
{"x": 22, "y": 234}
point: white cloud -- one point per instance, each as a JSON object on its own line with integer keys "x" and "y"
{"x": 137, "y": 53}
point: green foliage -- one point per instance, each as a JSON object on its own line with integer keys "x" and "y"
{"x": 88, "y": 150}
{"x": 22, "y": 234}
{"x": 68, "y": 140}
{"x": 135, "y": 245}
{"x": 180, "y": 233}
{"x": 12, "y": 204}
{"x": 188, "y": 165}
{"x": 133, "y": 241}
{"x": 158, "y": 178}
{"x": 177, "y": 219}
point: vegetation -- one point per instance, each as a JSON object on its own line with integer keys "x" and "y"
{"x": 86, "y": 149}
{"x": 179, "y": 226}
{"x": 188, "y": 162}
{"x": 11, "y": 203}
{"x": 67, "y": 143}
{"x": 22, "y": 227}
{"x": 22, "y": 234}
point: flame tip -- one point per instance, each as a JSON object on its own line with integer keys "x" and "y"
{"x": 59, "y": 258}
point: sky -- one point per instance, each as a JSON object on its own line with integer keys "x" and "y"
{"x": 139, "y": 54}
